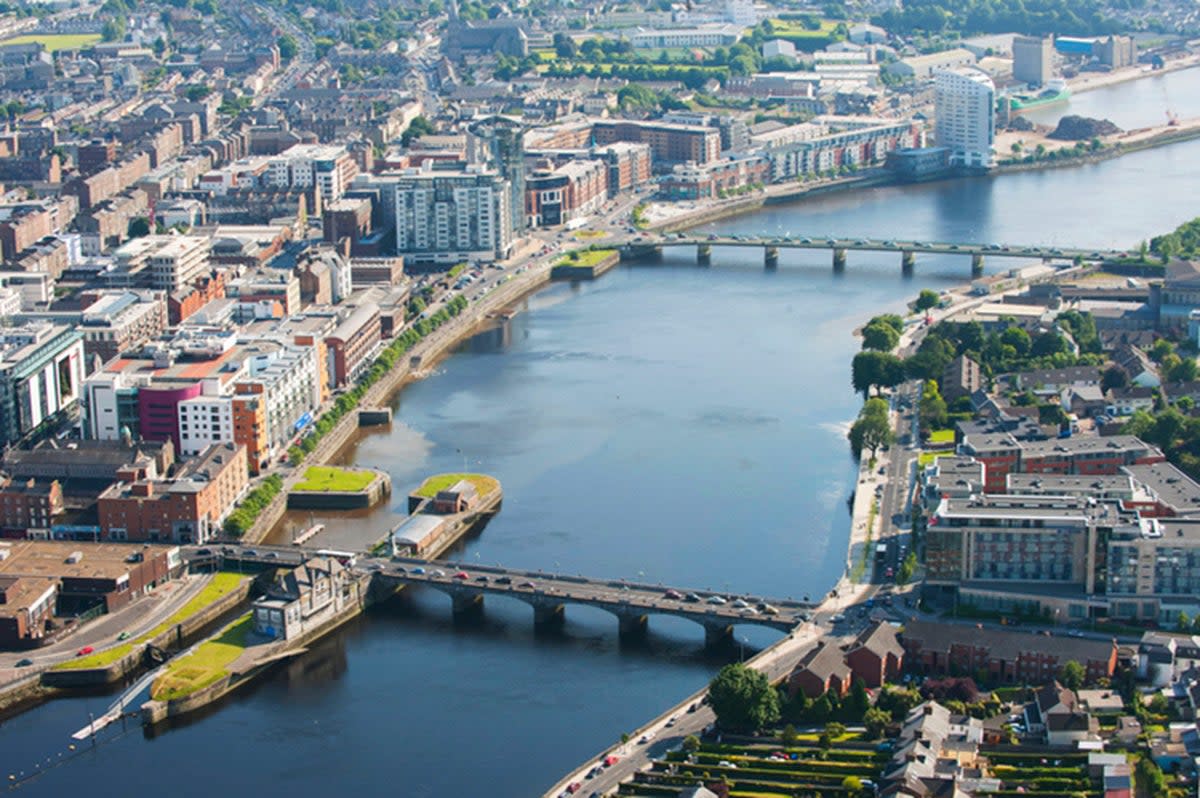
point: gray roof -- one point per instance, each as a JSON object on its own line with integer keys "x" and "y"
{"x": 1003, "y": 644}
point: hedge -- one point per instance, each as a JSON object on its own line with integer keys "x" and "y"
{"x": 255, "y": 502}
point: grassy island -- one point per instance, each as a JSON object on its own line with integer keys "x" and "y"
{"x": 430, "y": 487}
{"x": 206, "y": 665}
{"x": 329, "y": 478}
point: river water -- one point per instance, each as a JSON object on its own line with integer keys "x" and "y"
{"x": 668, "y": 423}
{"x": 1139, "y": 103}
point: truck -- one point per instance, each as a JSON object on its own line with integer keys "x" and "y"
{"x": 881, "y": 551}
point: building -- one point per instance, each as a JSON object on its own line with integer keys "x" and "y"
{"x": 1056, "y": 715}
{"x": 114, "y": 322}
{"x": 923, "y": 67}
{"x": 961, "y": 377}
{"x": 164, "y": 262}
{"x": 327, "y": 168}
{"x": 1002, "y": 656}
{"x": 1033, "y": 59}
{"x": 823, "y": 669}
{"x": 965, "y": 116}
{"x": 499, "y": 144}
{"x": 827, "y": 143}
{"x": 701, "y": 36}
{"x": 1153, "y": 569}
{"x": 710, "y": 181}
{"x": 573, "y": 190}
{"x": 41, "y": 376}
{"x": 452, "y": 216}
{"x": 1002, "y": 453}
{"x": 188, "y": 508}
{"x": 353, "y": 343}
{"x": 457, "y": 498}
{"x": 303, "y": 598}
{"x": 28, "y": 504}
{"x": 876, "y": 655}
{"x": 670, "y": 144}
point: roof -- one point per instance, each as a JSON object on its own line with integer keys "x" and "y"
{"x": 824, "y": 661}
{"x": 1169, "y": 485}
{"x": 50, "y": 558}
{"x": 1003, "y": 644}
{"x": 416, "y": 529}
{"x": 881, "y": 639}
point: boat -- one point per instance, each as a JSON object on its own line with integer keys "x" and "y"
{"x": 1055, "y": 92}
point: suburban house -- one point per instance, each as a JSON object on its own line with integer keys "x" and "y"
{"x": 1056, "y": 715}
{"x": 822, "y": 669}
{"x": 1138, "y": 365}
{"x": 936, "y": 754}
{"x": 876, "y": 655}
{"x": 304, "y": 597}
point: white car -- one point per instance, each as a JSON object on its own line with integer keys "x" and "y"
{"x": 716, "y": 600}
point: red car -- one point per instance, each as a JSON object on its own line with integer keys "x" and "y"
{"x": 83, "y": 652}
{"x": 461, "y": 575}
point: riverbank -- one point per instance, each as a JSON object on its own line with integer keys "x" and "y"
{"x": 1090, "y": 81}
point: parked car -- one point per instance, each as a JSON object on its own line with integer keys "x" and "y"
{"x": 418, "y": 570}
{"x": 716, "y": 600}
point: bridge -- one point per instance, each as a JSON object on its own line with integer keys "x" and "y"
{"x": 649, "y": 245}
{"x": 632, "y": 603}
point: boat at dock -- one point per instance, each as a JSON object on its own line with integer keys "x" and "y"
{"x": 1055, "y": 92}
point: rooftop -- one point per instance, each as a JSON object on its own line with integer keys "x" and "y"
{"x": 49, "y": 558}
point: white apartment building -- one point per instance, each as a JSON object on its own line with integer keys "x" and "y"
{"x": 203, "y": 421}
{"x": 966, "y": 116}
{"x": 289, "y": 380}
{"x": 178, "y": 261}
{"x": 452, "y": 216}
{"x": 328, "y": 167}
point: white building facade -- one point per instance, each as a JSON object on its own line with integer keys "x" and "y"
{"x": 966, "y": 116}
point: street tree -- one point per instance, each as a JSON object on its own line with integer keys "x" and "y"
{"x": 743, "y": 699}
{"x": 880, "y": 337}
{"x": 931, "y": 408}
{"x": 691, "y": 743}
{"x": 789, "y": 737}
{"x": 288, "y": 47}
{"x": 872, "y": 428}
{"x": 1072, "y": 675}
{"x": 871, "y": 369}
{"x": 928, "y": 298}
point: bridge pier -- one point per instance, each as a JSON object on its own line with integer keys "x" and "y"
{"x": 717, "y": 635}
{"x": 704, "y": 254}
{"x": 977, "y": 264}
{"x": 839, "y": 261}
{"x": 632, "y": 626}
{"x": 467, "y": 604}
{"x": 908, "y": 260}
{"x": 548, "y": 615}
{"x": 771, "y": 257}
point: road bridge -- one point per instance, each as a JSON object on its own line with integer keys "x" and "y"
{"x": 631, "y": 602}
{"x": 649, "y": 245}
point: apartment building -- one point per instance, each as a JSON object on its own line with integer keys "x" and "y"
{"x": 965, "y": 115}
{"x": 41, "y": 375}
{"x": 452, "y": 215}
{"x": 116, "y": 321}
{"x": 1002, "y": 454}
{"x": 328, "y": 168}
{"x": 831, "y": 142}
{"x": 353, "y": 343}
{"x": 556, "y": 195}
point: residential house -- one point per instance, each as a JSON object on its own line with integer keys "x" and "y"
{"x": 822, "y": 669}
{"x": 1137, "y": 364}
{"x": 1127, "y": 401}
{"x": 308, "y": 595}
{"x": 876, "y": 655}
{"x": 1056, "y": 715}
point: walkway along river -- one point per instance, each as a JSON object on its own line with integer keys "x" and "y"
{"x": 666, "y": 422}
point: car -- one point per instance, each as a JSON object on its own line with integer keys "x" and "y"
{"x": 837, "y": 618}
{"x": 1074, "y": 633}
{"x": 954, "y": 246}
{"x": 504, "y": 580}
{"x": 481, "y": 578}
{"x": 749, "y": 611}
{"x": 671, "y": 722}
{"x": 767, "y": 609}
{"x": 271, "y": 555}
{"x": 83, "y": 652}
{"x": 806, "y": 241}
{"x": 673, "y": 594}
{"x": 740, "y": 604}
{"x": 695, "y": 705}
{"x": 692, "y": 598}
{"x": 249, "y": 553}
{"x": 24, "y": 663}
{"x": 860, "y": 242}
{"x": 526, "y": 583}
{"x": 439, "y": 572}
{"x": 461, "y": 575}
{"x": 203, "y": 552}
{"x": 400, "y": 569}
{"x": 725, "y": 763}
{"x": 644, "y": 739}
{"x": 574, "y": 788}
{"x": 716, "y": 600}
{"x": 418, "y": 570}
{"x": 123, "y": 636}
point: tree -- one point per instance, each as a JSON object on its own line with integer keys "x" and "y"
{"x": 1072, "y": 675}
{"x": 927, "y": 299}
{"x": 876, "y": 721}
{"x": 113, "y": 30}
{"x": 691, "y": 743}
{"x": 139, "y": 226}
{"x": 931, "y": 408}
{"x": 880, "y": 337}
{"x": 1162, "y": 347}
{"x": 857, "y": 702}
{"x": 1114, "y": 377}
{"x": 788, "y": 736}
{"x": 564, "y": 46}
{"x": 835, "y": 729}
{"x": 288, "y": 47}
{"x": 743, "y": 699}
{"x": 1150, "y": 779}
{"x": 420, "y": 126}
{"x": 907, "y": 568}
{"x": 871, "y": 369}
{"x": 872, "y": 428}
{"x": 1182, "y": 370}
{"x": 852, "y": 784}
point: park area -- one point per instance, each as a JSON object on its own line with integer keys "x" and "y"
{"x": 585, "y": 258}
{"x": 205, "y": 665}
{"x": 326, "y": 479}
{"x": 56, "y": 41}
{"x": 439, "y": 482}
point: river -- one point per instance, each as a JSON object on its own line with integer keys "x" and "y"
{"x": 1139, "y": 103}
{"x": 668, "y": 423}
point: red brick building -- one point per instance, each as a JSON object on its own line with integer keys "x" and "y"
{"x": 876, "y": 655}
{"x": 353, "y": 342}
{"x": 28, "y": 504}
{"x": 822, "y": 669}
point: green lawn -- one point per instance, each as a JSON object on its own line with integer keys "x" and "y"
{"x": 204, "y": 666}
{"x": 925, "y": 459}
{"x": 328, "y": 478}
{"x": 221, "y": 585}
{"x": 585, "y": 258}
{"x": 941, "y": 436}
{"x": 586, "y": 234}
{"x": 430, "y": 487}
{"x": 56, "y": 41}
{"x": 790, "y": 28}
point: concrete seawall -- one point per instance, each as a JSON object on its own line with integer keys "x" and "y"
{"x": 377, "y": 491}
{"x": 569, "y": 272}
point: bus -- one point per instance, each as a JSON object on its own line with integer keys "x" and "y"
{"x": 346, "y": 558}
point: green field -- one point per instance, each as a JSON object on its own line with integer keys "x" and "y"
{"x": 430, "y": 487}
{"x": 221, "y": 585}
{"x": 585, "y": 259}
{"x": 204, "y": 666}
{"x": 56, "y": 41}
{"x": 340, "y": 480}
{"x": 941, "y": 436}
{"x": 925, "y": 459}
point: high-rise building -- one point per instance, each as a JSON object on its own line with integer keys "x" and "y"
{"x": 500, "y": 144}
{"x": 41, "y": 375}
{"x": 966, "y": 116}
{"x": 448, "y": 216}
{"x": 1033, "y": 59}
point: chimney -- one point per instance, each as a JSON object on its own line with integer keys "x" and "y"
{"x": 141, "y": 489}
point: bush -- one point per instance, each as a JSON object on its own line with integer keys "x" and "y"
{"x": 241, "y": 519}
